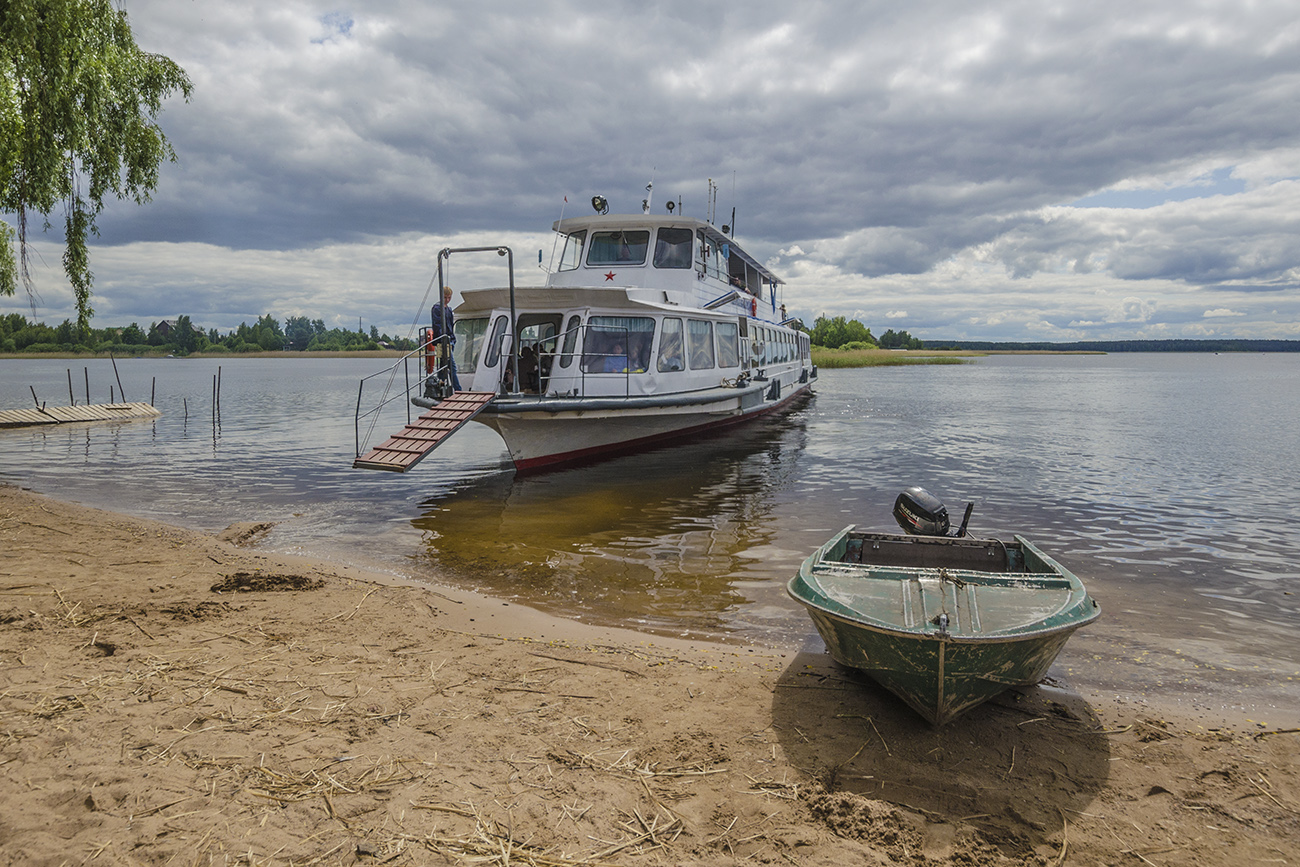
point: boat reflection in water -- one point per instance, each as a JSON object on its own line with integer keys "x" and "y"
{"x": 676, "y": 541}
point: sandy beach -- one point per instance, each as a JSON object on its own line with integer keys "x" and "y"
{"x": 174, "y": 697}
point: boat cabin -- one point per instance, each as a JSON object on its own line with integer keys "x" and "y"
{"x": 636, "y": 305}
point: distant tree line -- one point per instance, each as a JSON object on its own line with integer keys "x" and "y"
{"x": 181, "y": 337}
{"x": 842, "y": 333}
{"x": 1173, "y": 345}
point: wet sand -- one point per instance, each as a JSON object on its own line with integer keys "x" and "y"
{"x": 174, "y": 697}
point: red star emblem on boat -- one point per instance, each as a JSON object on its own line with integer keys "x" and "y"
{"x": 609, "y": 275}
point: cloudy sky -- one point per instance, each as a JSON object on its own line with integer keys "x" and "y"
{"x": 1006, "y": 170}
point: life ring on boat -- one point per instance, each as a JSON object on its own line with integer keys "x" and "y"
{"x": 753, "y": 306}
{"x": 430, "y": 357}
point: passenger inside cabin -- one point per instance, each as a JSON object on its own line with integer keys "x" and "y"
{"x": 529, "y": 371}
{"x": 616, "y": 361}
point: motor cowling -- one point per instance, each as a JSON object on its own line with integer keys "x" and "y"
{"x": 921, "y": 513}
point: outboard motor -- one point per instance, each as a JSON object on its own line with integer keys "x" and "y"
{"x": 921, "y": 513}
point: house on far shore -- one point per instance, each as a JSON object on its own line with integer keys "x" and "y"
{"x": 168, "y": 327}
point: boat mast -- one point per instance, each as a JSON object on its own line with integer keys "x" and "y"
{"x": 649, "y": 188}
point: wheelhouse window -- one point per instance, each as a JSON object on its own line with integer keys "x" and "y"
{"x": 699, "y": 343}
{"x": 570, "y": 340}
{"x": 494, "y": 345}
{"x": 617, "y": 344}
{"x": 571, "y": 256}
{"x": 670, "y": 346}
{"x": 469, "y": 343}
{"x": 673, "y": 248}
{"x": 728, "y": 344}
{"x": 627, "y": 247}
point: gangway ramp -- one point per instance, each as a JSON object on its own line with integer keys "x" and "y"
{"x": 407, "y": 448}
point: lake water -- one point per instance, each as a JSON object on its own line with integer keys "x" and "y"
{"x": 1166, "y": 481}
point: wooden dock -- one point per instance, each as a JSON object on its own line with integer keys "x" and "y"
{"x": 67, "y": 414}
{"x": 407, "y": 448}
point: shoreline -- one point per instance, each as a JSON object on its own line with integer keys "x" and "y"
{"x": 167, "y": 693}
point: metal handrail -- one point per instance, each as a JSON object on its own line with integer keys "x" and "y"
{"x": 404, "y": 363}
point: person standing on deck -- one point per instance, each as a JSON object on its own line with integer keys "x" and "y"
{"x": 444, "y": 323}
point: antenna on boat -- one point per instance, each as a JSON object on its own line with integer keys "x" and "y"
{"x": 554, "y": 241}
{"x": 649, "y": 188}
{"x": 712, "y": 210}
{"x": 733, "y": 206}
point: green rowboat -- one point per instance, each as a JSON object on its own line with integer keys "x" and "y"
{"x": 944, "y": 623}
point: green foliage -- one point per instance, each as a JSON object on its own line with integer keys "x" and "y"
{"x": 892, "y": 339}
{"x": 834, "y": 333}
{"x": 299, "y": 331}
{"x": 79, "y": 102}
{"x": 267, "y": 334}
{"x": 182, "y": 338}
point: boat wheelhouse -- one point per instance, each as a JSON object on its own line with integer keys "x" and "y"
{"x": 649, "y": 328}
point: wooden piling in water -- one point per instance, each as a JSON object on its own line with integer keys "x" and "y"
{"x": 120, "y": 389}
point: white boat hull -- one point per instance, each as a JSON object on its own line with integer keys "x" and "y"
{"x": 538, "y": 439}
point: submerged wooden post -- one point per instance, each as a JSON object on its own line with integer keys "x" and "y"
{"x": 87, "y": 370}
{"x": 71, "y": 400}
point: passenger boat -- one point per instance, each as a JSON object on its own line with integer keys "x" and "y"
{"x": 649, "y": 328}
{"x": 944, "y": 622}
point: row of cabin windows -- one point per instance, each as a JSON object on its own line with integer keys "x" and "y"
{"x": 673, "y": 248}
{"x": 612, "y": 344}
{"x": 772, "y": 346}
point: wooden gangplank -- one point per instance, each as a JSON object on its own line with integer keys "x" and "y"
{"x": 65, "y": 414}
{"x": 407, "y": 448}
